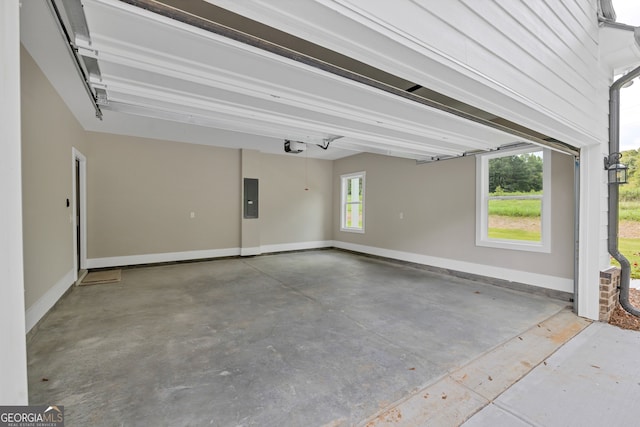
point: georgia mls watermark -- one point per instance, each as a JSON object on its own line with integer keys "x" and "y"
{"x": 31, "y": 416}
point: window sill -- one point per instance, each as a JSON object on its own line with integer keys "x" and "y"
{"x": 514, "y": 245}
{"x": 352, "y": 230}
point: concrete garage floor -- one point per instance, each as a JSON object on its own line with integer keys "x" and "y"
{"x": 300, "y": 339}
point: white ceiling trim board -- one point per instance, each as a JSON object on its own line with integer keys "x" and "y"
{"x": 385, "y": 149}
{"x": 218, "y": 122}
{"x": 141, "y": 125}
{"x": 308, "y": 132}
{"x": 126, "y": 91}
{"x": 240, "y": 117}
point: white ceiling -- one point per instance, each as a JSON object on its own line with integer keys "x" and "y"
{"x": 165, "y": 79}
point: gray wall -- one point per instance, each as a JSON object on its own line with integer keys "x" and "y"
{"x": 49, "y": 131}
{"x": 142, "y": 192}
{"x": 438, "y": 201}
{"x": 289, "y": 213}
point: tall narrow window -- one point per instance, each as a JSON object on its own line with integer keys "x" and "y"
{"x": 352, "y": 205}
{"x": 514, "y": 200}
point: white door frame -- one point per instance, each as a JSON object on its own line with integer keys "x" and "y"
{"x": 77, "y": 155}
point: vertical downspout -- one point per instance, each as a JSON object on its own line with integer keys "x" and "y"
{"x": 614, "y": 147}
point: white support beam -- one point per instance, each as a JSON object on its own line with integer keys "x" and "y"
{"x": 592, "y": 234}
{"x": 13, "y": 357}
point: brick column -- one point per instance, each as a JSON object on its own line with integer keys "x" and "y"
{"x": 609, "y": 292}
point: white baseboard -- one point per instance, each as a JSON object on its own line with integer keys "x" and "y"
{"x": 257, "y": 250}
{"x": 211, "y": 253}
{"x": 286, "y": 247}
{"x": 39, "y": 308}
{"x": 528, "y": 278}
{"x": 163, "y": 257}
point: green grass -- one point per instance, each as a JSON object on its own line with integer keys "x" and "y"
{"x": 515, "y": 208}
{"x": 630, "y": 211}
{"x": 513, "y": 234}
{"x": 630, "y": 248}
{"x": 520, "y": 208}
{"x": 516, "y": 193}
{"x": 628, "y": 192}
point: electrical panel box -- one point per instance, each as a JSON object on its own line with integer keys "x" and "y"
{"x": 250, "y": 198}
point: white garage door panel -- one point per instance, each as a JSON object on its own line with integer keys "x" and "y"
{"x": 173, "y": 67}
{"x": 536, "y": 85}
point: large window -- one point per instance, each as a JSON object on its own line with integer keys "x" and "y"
{"x": 352, "y": 202}
{"x": 513, "y": 201}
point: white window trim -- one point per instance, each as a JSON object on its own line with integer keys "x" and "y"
{"x": 343, "y": 201}
{"x": 482, "y": 182}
